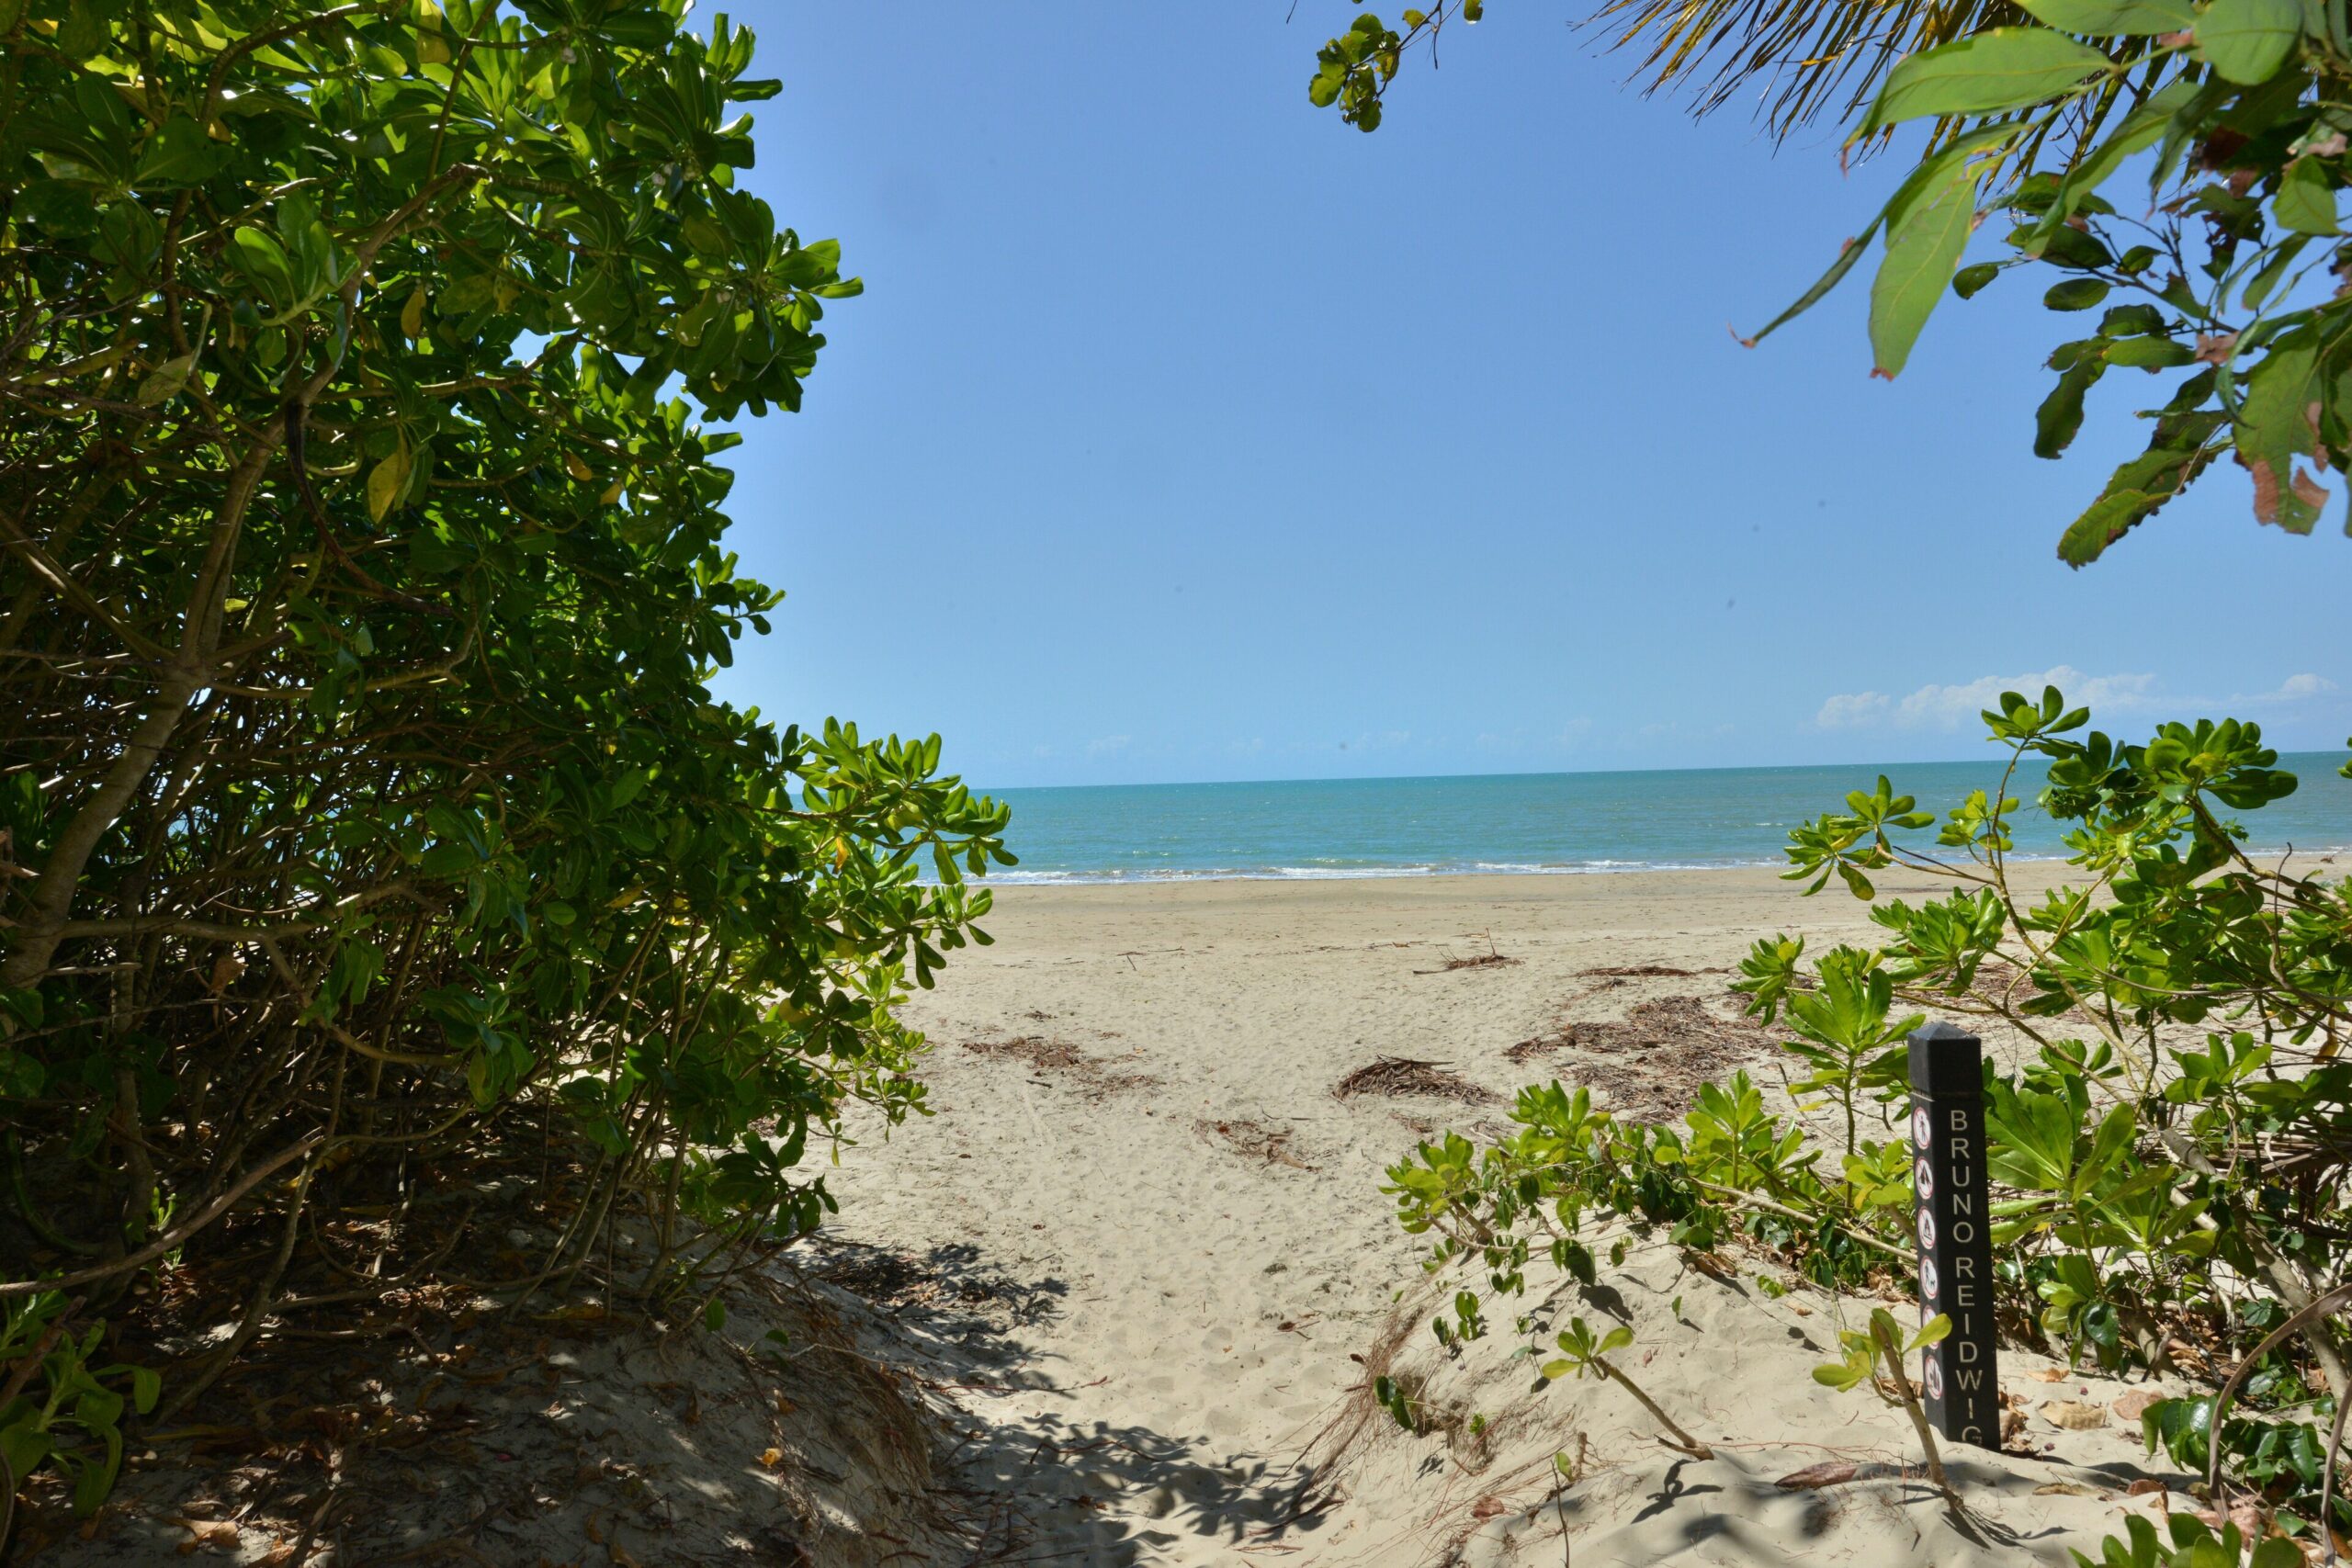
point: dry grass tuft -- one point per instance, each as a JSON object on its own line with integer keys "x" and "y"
{"x": 1490, "y": 959}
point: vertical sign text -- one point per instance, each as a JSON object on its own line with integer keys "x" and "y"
{"x": 1958, "y": 1379}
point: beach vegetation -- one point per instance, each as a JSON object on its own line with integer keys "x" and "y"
{"x": 2168, "y": 1135}
{"x": 386, "y": 901}
{"x": 2190, "y": 1541}
{"x": 2223, "y": 297}
{"x": 60, "y": 1408}
{"x": 1584, "y": 1354}
{"x": 1874, "y": 1359}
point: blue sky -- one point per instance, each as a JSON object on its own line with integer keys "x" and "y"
{"x": 1185, "y": 432}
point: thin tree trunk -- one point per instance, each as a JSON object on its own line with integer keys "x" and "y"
{"x": 51, "y": 895}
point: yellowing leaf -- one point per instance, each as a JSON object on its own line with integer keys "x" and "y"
{"x": 578, "y": 469}
{"x": 166, "y": 381}
{"x": 412, "y": 313}
{"x": 385, "y": 483}
{"x": 612, "y": 494}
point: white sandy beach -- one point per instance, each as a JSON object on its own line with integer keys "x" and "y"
{"x": 1142, "y": 1208}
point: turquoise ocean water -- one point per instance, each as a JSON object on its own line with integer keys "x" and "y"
{"x": 1527, "y": 823}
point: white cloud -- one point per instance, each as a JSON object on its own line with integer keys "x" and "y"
{"x": 1106, "y": 745}
{"x": 1937, "y": 707}
{"x": 1851, "y": 710}
{"x": 2294, "y": 689}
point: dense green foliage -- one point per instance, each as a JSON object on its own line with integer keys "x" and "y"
{"x": 2231, "y": 288}
{"x": 2168, "y": 1160}
{"x": 367, "y": 830}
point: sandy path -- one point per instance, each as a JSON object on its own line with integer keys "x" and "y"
{"x": 1185, "y": 1305}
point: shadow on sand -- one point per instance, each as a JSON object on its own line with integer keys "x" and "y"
{"x": 1026, "y": 1482}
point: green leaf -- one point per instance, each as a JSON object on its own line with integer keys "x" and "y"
{"x": 166, "y": 381}
{"x": 1847, "y": 257}
{"x": 2131, "y": 321}
{"x": 2104, "y": 522}
{"x": 714, "y": 1316}
{"x": 2306, "y": 198}
{"x": 2111, "y": 18}
{"x": 2276, "y": 1551}
{"x": 2059, "y": 418}
{"x": 2002, "y": 68}
{"x": 22, "y": 1443}
{"x": 1921, "y": 257}
{"x": 180, "y": 154}
{"x": 83, "y": 33}
{"x": 2140, "y": 129}
{"x": 93, "y": 1482}
{"x": 2273, "y": 272}
{"x": 2247, "y": 40}
{"x": 2150, "y": 353}
{"x": 2076, "y": 294}
{"x": 260, "y": 257}
{"x": 1908, "y": 196}
{"x": 1969, "y": 281}
{"x": 2273, "y": 428}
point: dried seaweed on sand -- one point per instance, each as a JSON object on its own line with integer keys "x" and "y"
{"x": 1269, "y": 1145}
{"x": 1410, "y": 1075}
{"x": 1092, "y": 1074}
{"x": 1652, "y": 1061}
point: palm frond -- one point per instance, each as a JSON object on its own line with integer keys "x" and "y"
{"x": 1809, "y": 57}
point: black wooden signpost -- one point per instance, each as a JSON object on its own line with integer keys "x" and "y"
{"x": 1962, "y": 1387}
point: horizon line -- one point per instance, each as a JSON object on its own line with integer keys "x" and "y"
{"x": 1522, "y": 773}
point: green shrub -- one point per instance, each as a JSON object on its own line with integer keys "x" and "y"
{"x": 2167, "y": 1164}
{"x": 369, "y": 837}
